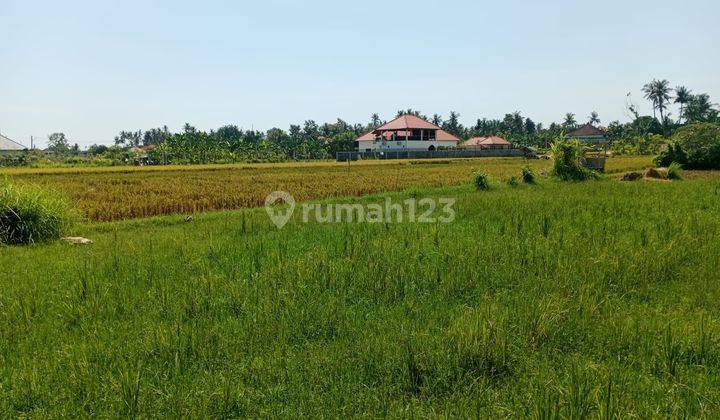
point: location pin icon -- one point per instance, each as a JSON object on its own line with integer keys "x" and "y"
{"x": 279, "y": 218}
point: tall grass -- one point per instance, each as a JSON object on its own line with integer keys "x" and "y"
{"x": 30, "y": 214}
{"x": 534, "y": 301}
{"x": 107, "y": 194}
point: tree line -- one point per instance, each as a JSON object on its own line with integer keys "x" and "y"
{"x": 311, "y": 140}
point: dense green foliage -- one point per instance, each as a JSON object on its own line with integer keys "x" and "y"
{"x": 29, "y": 214}
{"x": 567, "y": 161}
{"x": 481, "y": 180}
{"x": 644, "y": 134}
{"x": 570, "y": 299}
{"x": 696, "y": 146}
{"x": 528, "y": 175}
{"x": 674, "y": 153}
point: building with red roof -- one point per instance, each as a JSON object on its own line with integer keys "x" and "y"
{"x": 406, "y": 132}
{"x": 588, "y": 133}
{"x": 492, "y": 142}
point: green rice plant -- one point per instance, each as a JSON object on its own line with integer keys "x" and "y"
{"x": 30, "y": 214}
{"x": 674, "y": 171}
{"x": 528, "y": 176}
{"x": 481, "y": 180}
{"x": 513, "y": 181}
{"x": 116, "y": 193}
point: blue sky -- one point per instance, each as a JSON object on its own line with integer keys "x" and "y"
{"x": 93, "y": 68}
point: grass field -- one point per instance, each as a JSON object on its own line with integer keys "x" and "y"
{"x": 597, "y": 298}
{"x": 114, "y": 193}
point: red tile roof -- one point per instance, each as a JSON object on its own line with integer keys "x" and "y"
{"x": 442, "y": 135}
{"x": 408, "y": 122}
{"x": 367, "y": 137}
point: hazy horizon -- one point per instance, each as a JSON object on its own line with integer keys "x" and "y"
{"x": 90, "y": 70}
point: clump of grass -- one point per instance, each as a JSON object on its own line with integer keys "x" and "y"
{"x": 674, "y": 171}
{"x": 481, "y": 180}
{"x": 513, "y": 181}
{"x": 31, "y": 214}
{"x": 567, "y": 165}
{"x": 528, "y": 176}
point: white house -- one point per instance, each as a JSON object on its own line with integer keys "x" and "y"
{"x": 406, "y": 132}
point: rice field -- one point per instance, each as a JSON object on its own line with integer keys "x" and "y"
{"x": 573, "y": 300}
{"x": 116, "y": 193}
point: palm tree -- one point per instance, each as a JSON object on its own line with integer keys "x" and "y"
{"x": 682, "y": 97}
{"x": 698, "y": 108}
{"x": 570, "y": 120}
{"x": 658, "y": 92}
{"x": 593, "y": 119}
{"x": 374, "y": 120}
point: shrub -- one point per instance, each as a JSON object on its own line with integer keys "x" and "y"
{"x": 528, "y": 176}
{"x": 567, "y": 165}
{"x": 673, "y": 153}
{"x": 701, "y": 143}
{"x": 513, "y": 181}
{"x": 674, "y": 171}
{"x": 31, "y": 214}
{"x": 481, "y": 180}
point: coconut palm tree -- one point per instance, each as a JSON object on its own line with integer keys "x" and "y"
{"x": 570, "y": 121}
{"x": 682, "y": 97}
{"x": 699, "y": 108}
{"x": 593, "y": 119}
{"x": 658, "y": 92}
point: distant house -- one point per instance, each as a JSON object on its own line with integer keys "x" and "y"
{"x": 588, "y": 133}
{"x": 7, "y": 145}
{"x": 492, "y": 142}
{"x": 406, "y": 132}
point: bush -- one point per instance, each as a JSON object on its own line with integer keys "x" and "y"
{"x": 513, "y": 181}
{"x": 674, "y": 171}
{"x": 528, "y": 176}
{"x": 674, "y": 153}
{"x": 701, "y": 144}
{"x": 31, "y": 214}
{"x": 567, "y": 165}
{"x": 481, "y": 180}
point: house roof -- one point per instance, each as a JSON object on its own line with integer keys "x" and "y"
{"x": 405, "y": 123}
{"x": 408, "y": 122}
{"x": 486, "y": 141}
{"x": 7, "y": 144}
{"x": 586, "y": 130}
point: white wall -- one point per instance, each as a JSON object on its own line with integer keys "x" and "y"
{"x": 403, "y": 145}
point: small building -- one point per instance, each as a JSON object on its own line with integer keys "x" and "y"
{"x": 492, "y": 142}
{"x": 7, "y": 145}
{"x": 588, "y": 133}
{"x": 407, "y": 132}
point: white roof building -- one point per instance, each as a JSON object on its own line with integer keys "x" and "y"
{"x": 9, "y": 145}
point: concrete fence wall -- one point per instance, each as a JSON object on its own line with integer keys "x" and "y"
{"x": 435, "y": 154}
